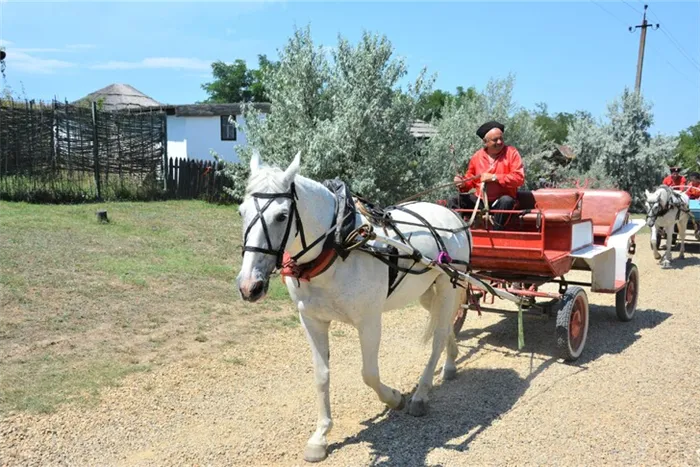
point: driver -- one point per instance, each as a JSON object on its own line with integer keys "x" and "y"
{"x": 497, "y": 165}
{"x": 675, "y": 178}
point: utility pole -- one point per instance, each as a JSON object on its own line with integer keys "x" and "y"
{"x": 642, "y": 43}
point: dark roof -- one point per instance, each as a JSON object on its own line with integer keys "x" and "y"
{"x": 120, "y": 97}
{"x": 208, "y": 110}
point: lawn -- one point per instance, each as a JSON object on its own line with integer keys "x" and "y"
{"x": 84, "y": 303}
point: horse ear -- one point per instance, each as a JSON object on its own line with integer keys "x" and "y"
{"x": 293, "y": 168}
{"x": 255, "y": 161}
{"x": 646, "y": 193}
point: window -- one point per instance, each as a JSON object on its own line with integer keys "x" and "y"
{"x": 228, "y": 130}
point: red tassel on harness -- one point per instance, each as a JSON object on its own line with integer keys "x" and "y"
{"x": 307, "y": 271}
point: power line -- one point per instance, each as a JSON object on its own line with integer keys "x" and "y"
{"x": 608, "y": 12}
{"x": 676, "y": 43}
{"x": 680, "y": 49}
{"x": 633, "y": 8}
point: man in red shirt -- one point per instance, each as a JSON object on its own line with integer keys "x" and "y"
{"x": 497, "y": 165}
{"x": 694, "y": 184}
{"x": 675, "y": 179}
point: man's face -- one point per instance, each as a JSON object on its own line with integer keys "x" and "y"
{"x": 493, "y": 141}
{"x": 675, "y": 174}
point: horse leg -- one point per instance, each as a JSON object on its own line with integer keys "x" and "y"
{"x": 666, "y": 263}
{"x": 653, "y": 241}
{"x": 317, "y": 335}
{"x": 682, "y": 225}
{"x": 441, "y": 314}
{"x": 370, "y": 332}
{"x": 449, "y": 371}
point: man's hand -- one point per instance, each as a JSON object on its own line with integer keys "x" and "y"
{"x": 458, "y": 179}
{"x": 487, "y": 177}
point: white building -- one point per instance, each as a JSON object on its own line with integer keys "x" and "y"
{"x": 197, "y": 129}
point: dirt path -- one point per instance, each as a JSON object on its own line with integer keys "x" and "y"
{"x": 632, "y": 399}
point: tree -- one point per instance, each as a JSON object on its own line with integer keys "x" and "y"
{"x": 555, "y": 127}
{"x": 236, "y": 83}
{"x": 623, "y": 148}
{"x": 689, "y": 148}
{"x": 346, "y": 115}
{"x": 432, "y": 104}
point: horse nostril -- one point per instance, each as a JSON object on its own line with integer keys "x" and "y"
{"x": 256, "y": 289}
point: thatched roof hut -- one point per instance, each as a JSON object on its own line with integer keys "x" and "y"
{"x": 119, "y": 97}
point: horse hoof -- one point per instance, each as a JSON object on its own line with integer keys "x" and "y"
{"x": 315, "y": 453}
{"x": 418, "y": 408}
{"x": 681, "y": 256}
{"x": 449, "y": 374}
{"x": 666, "y": 265}
{"x": 657, "y": 257}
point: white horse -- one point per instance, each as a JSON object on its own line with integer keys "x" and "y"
{"x": 666, "y": 207}
{"x": 281, "y": 212}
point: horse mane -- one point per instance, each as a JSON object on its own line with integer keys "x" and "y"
{"x": 266, "y": 180}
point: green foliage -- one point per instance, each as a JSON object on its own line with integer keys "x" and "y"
{"x": 432, "y": 104}
{"x": 555, "y": 127}
{"x": 622, "y": 148}
{"x": 235, "y": 82}
{"x": 347, "y": 116}
{"x": 689, "y": 148}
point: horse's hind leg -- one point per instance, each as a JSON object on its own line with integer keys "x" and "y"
{"x": 370, "y": 332}
{"x": 682, "y": 225}
{"x": 442, "y": 308}
{"x": 449, "y": 371}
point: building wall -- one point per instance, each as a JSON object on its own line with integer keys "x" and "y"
{"x": 193, "y": 138}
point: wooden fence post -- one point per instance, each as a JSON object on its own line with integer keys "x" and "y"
{"x": 95, "y": 153}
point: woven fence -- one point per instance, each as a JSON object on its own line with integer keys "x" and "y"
{"x": 60, "y": 152}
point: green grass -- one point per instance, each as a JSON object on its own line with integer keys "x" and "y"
{"x": 85, "y": 304}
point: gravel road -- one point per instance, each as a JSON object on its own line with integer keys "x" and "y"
{"x": 633, "y": 398}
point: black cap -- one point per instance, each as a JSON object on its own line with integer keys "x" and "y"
{"x": 488, "y": 126}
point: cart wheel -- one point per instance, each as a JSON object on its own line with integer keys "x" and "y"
{"x": 626, "y": 298}
{"x": 572, "y": 323}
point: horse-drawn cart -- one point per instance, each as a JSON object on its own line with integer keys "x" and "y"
{"x": 553, "y": 232}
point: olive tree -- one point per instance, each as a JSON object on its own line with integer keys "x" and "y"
{"x": 346, "y": 113}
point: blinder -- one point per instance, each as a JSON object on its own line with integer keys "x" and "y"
{"x": 293, "y": 214}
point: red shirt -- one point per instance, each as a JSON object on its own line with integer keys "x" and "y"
{"x": 507, "y": 166}
{"x": 670, "y": 181}
{"x": 694, "y": 192}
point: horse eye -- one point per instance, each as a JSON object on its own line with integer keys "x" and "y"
{"x": 281, "y": 217}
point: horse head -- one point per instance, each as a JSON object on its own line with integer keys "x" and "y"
{"x": 655, "y": 204}
{"x": 269, "y": 214}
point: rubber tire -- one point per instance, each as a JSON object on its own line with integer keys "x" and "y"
{"x": 631, "y": 274}
{"x": 565, "y": 309}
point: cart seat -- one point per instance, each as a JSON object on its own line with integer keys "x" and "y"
{"x": 602, "y": 208}
{"x": 557, "y": 206}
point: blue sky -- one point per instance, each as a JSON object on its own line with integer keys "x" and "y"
{"x": 570, "y": 55}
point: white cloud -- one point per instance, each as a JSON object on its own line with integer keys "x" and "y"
{"x": 3, "y": 42}
{"x": 157, "y": 62}
{"x": 81, "y": 46}
{"x": 25, "y": 62}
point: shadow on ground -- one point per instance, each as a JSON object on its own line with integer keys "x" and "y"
{"x": 459, "y": 411}
{"x": 606, "y": 334}
{"x": 463, "y": 408}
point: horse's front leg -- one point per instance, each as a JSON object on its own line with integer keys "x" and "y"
{"x": 653, "y": 240}
{"x": 370, "y": 333}
{"x": 666, "y": 263}
{"x": 317, "y": 335}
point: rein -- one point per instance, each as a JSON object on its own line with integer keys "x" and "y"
{"x": 293, "y": 214}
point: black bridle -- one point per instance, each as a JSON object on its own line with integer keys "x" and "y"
{"x": 293, "y": 213}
